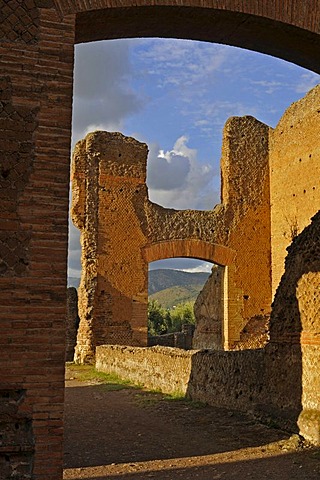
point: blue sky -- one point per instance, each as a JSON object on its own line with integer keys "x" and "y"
{"x": 176, "y": 95}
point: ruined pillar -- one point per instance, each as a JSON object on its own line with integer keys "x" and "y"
{"x": 72, "y": 323}
{"x": 109, "y": 191}
{"x": 208, "y": 310}
{"x": 36, "y": 65}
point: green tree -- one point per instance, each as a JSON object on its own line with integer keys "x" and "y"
{"x": 156, "y": 318}
{"x": 182, "y": 313}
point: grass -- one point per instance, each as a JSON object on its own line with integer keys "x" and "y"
{"x": 112, "y": 382}
{"x": 109, "y": 381}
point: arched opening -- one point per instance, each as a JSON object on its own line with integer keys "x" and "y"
{"x": 272, "y": 33}
{"x": 37, "y": 65}
{"x": 185, "y": 246}
{"x": 90, "y": 66}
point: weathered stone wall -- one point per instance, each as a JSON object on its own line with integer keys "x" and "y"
{"x": 36, "y": 63}
{"x": 72, "y": 323}
{"x": 164, "y": 368}
{"x": 209, "y": 311}
{"x": 295, "y": 169}
{"x": 181, "y": 339}
{"x": 121, "y": 229}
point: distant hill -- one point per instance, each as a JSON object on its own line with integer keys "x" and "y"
{"x": 166, "y": 278}
{"x": 171, "y": 287}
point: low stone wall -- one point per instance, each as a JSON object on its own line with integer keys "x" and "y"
{"x": 157, "y": 368}
{"x": 228, "y": 379}
{"x": 242, "y": 380}
{"x": 181, "y": 339}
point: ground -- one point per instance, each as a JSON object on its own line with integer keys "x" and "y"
{"x": 118, "y": 432}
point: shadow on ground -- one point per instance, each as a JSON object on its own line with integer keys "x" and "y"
{"x": 132, "y": 434}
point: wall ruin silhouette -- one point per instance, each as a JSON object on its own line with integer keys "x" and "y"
{"x": 37, "y": 52}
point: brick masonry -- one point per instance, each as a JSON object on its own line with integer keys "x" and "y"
{"x": 72, "y": 323}
{"x": 295, "y": 168}
{"x": 121, "y": 230}
{"x": 36, "y": 64}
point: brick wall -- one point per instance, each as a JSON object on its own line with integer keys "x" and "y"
{"x": 295, "y": 168}
{"x": 122, "y": 230}
{"x": 36, "y": 62}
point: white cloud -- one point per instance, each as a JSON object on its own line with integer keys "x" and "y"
{"x": 270, "y": 86}
{"x": 176, "y": 179}
{"x": 180, "y": 63}
{"x": 167, "y": 170}
{"x": 203, "y": 267}
{"x": 103, "y": 98}
{"x": 185, "y": 264}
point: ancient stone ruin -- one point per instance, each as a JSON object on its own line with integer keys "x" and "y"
{"x": 246, "y": 235}
{"x": 37, "y": 39}
{"x": 121, "y": 231}
{"x": 72, "y": 323}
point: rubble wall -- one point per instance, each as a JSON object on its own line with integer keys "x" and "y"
{"x": 294, "y": 173}
{"x": 121, "y": 230}
{"x": 37, "y": 51}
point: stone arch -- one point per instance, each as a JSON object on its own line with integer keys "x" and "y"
{"x": 278, "y": 29}
{"x": 225, "y": 291}
{"x": 37, "y": 88}
{"x": 186, "y": 248}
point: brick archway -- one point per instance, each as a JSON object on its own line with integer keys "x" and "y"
{"x": 189, "y": 249}
{"x": 279, "y": 29}
{"x": 36, "y": 65}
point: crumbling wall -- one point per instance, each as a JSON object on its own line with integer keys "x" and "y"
{"x": 209, "y": 311}
{"x": 118, "y": 224}
{"x": 255, "y": 334}
{"x": 293, "y": 355}
{"x": 109, "y": 173}
{"x": 294, "y": 155}
{"x": 279, "y": 382}
{"x": 294, "y": 170}
{"x": 72, "y": 323}
{"x": 244, "y": 226}
{"x": 181, "y": 339}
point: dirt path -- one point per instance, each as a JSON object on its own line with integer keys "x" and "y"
{"x": 129, "y": 434}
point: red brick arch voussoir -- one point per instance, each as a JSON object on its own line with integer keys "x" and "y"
{"x": 287, "y": 29}
{"x": 199, "y": 249}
